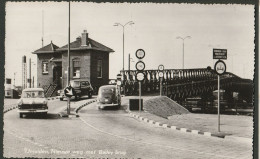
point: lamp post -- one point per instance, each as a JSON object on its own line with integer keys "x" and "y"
{"x": 187, "y": 37}
{"x": 123, "y": 26}
{"x": 129, "y": 62}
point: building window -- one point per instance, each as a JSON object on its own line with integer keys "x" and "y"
{"x": 99, "y": 69}
{"x": 45, "y": 67}
{"x": 76, "y": 68}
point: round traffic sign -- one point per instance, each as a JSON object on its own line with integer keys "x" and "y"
{"x": 161, "y": 74}
{"x": 140, "y": 66}
{"x": 140, "y": 76}
{"x": 161, "y": 67}
{"x": 118, "y": 76}
{"x": 220, "y": 67}
{"x": 140, "y": 53}
{"x": 118, "y": 83}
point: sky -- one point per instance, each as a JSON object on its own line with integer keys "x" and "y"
{"x": 155, "y": 30}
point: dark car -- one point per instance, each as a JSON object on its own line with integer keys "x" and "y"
{"x": 108, "y": 96}
{"x": 81, "y": 88}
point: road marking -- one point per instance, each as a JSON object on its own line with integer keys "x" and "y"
{"x": 153, "y": 144}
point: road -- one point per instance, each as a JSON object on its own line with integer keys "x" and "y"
{"x": 109, "y": 133}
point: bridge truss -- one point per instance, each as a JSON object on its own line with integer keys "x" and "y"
{"x": 179, "y": 84}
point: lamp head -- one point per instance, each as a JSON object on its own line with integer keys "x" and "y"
{"x": 116, "y": 24}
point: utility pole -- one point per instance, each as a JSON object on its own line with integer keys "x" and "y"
{"x": 68, "y": 79}
{"x": 42, "y": 27}
{"x": 30, "y": 71}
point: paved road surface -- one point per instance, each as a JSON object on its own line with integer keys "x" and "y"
{"x": 107, "y": 133}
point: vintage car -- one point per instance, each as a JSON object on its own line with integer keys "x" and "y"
{"x": 32, "y": 101}
{"x": 108, "y": 96}
{"x": 81, "y": 88}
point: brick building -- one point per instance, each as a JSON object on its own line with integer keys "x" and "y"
{"x": 88, "y": 60}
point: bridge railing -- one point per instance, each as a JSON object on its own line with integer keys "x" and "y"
{"x": 178, "y": 84}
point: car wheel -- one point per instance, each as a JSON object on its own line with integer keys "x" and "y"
{"x": 90, "y": 95}
{"x": 45, "y": 114}
{"x": 76, "y": 97}
{"x": 21, "y": 115}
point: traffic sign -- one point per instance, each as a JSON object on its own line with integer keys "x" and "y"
{"x": 140, "y": 53}
{"x": 220, "y": 54}
{"x": 161, "y": 74}
{"x": 220, "y": 67}
{"x": 68, "y": 91}
{"x": 118, "y": 83}
{"x": 160, "y": 67}
{"x": 118, "y": 76}
{"x": 140, "y": 66}
{"x": 140, "y": 76}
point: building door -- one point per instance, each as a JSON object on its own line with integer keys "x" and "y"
{"x": 57, "y": 75}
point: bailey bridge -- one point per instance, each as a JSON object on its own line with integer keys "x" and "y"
{"x": 179, "y": 84}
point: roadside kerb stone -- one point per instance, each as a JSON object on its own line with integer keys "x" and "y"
{"x": 9, "y": 109}
{"x": 78, "y": 107}
{"x": 185, "y": 130}
{"x": 207, "y": 133}
{"x": 195, "y": 131}
{"x": 165, "y": 125}
{"x": 82, "y": 105}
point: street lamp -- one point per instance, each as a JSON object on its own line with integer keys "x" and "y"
{"x": 187, "y": 37}
{"x": 123, "y": 26}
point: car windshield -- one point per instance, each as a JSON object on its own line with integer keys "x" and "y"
{"x": 107, "y": 91}
{"x": 74, "y": 83}
{"x": 33, "y": 94}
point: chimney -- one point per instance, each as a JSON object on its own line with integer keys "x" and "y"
{"x": 84, "y": 38}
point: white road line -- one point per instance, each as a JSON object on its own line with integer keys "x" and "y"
{"x": 149, "y": 143}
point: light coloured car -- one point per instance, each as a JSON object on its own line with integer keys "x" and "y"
{"x": 108, "y": 96}
{"x": 32, "y": 100}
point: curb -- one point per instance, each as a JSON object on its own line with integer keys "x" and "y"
{"x": 186, "y": 130}
{"x": 9, "y": 109}
{"x": 53, "y": 98}
{"x": 77, "y": 109}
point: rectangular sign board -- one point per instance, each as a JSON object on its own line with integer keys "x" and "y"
{"x": 219, "y": 53}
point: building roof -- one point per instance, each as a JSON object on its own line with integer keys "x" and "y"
{"x": 92, "y": 45}
{"x": 50, "y": 48}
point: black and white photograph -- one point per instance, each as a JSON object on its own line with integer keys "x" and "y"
{"x": 129, "y": 80}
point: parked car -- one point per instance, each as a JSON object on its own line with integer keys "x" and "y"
{"x": 108, "y": 96}
{"x": 32, "y": 100}
{"x": 81, "y": 88}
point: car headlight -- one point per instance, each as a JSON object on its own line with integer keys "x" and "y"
{"x": 20, "y": 102}
{"x": 45, "y": 102}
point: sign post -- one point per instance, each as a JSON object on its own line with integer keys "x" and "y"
{"x": 69, "y": 92}
{"x": 220, "y": 68}
{"x": 161, "y": 69}
{"x": 118, "y": 81}
{"x": 140, "y": 91}
{"x": 140, "y": 66}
